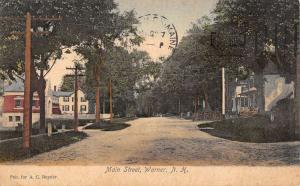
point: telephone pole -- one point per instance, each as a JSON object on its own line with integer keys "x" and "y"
{"x": 223, "y": 93}
{"x": 297, "y": 83}
{"x": 27, "y": 112}
{"x": 27, "y": 105}
{"x": 76, "y": 69}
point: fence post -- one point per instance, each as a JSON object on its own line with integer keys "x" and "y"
{"x": 63, "y": 127}
{"x": 49, "y": 129}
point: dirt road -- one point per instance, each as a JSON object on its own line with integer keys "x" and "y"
{"x": 166, "y": 141}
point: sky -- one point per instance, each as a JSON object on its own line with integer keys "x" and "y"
{"x": 181, "y": 13}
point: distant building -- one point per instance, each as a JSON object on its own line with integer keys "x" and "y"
{"x": 52, "y": 102}
{"x": 244, "y": 98}
{"x": 66, "y": 102}
{"x": 13, "y": 104}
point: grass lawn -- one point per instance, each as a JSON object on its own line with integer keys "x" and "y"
{"x": 15, "y": 134}
{"x": 252, "y": 129}
{"x": 107, "y": 126}
{"x": 12, "y": 150}
{"x": 69, "y": 123}
{"x": 57, "y": 123}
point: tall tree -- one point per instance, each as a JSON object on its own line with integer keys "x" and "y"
{"x": 194, "y": 69}
{"x": 85, "y": 24}
{"x": 269, "y": 27}
{"x": 101, "y": 38}
{"x": 46, "y": 50}
{"x": 68, "y": 83}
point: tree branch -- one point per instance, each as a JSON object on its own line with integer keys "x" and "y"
{"x": 47, "y": 57}
{"x": 50, "y": 68}
{"x": 15, "y": 74}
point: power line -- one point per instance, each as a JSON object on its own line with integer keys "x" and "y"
{"x": 27, "y": 84}
{"x": 76, "y": 69}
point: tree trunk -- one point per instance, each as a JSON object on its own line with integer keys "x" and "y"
{"x": 179, "y": 106}
{"x": 97, "y": 78}
{"x": 259, "y": 84}
{"x": 207, "y": 105}
{"x": 125, "y": 108}
{"x": 97, "y": 105}
{"x": 195, "y": 104}
{"x": 39, "y": 85}
{"x": 42, "y": 98}
{"x": 103, "y": 105}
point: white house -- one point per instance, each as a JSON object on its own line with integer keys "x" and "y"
{"x": 275, "y": 89}
{"x": 66, "y": 102}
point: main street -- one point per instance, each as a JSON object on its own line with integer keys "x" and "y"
{"x": 166, "y": 141}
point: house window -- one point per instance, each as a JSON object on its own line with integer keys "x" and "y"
{"x": 10, "y": 118}
{"x": 244, "y": 102}
{"x": 18, "y": 103}
{"x": 72, "y": 107}
{"x": 18, "y": 118}
{"x": 66, "y": 107}
{"x": 66, "y": 99}
{"x": 82, "y": 99}
{"x": 82, "y": 108}
{"x": 63, "y": 108}
{"x": 72, "y": 99}
{"x": 244, "y": 88}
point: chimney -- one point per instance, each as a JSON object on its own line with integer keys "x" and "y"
{"x": 54, "y": 88}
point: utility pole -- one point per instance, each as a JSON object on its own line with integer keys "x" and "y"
{"x": 27, "y": 112}
{"x": 76, "y": 123}
{"x": 27, "y": 105}
{"x": 76, "y": 69}
{"x": 297, "y": 83}
{"x": 223, "y": 92}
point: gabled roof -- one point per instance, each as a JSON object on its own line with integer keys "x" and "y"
{"x": 16, "y": 86}
{"x": 62, "y": 94}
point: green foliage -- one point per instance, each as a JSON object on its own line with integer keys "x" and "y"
{"x": 68, "y": 83}
{"x": 269, "y": 27}
{"x": 244, "y": 36}
{"x": 90, "y": 27}
{"x": 132, "y": 75}
{"x": 69, "y": 80}
{"x": 192, "y": 71}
